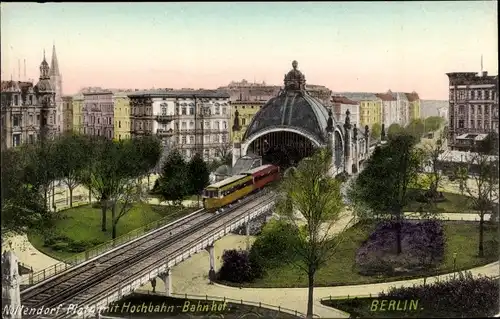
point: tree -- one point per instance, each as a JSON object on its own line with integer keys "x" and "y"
{"x": 174, "y": 179}
{"x": 435, "y": 153}
{"x": 416, "y": 128}
{"x": 310, "y": 190}
{"x": 376, "y": 131}
{"x": 433, "y": 123}
{"x": 198, "y": 175}
{"x": 148, "y": 153}
{"x": 483, "y": 191}
{"x": 23, "y": 206}
{"x": 224, "y": 152}
{"x": 393, "y": 130}
{"x": 462, "y": 175}
{"x": 130, "y": 192}
{"x": 72, "y": 153}
{"x": 382, "y": 185}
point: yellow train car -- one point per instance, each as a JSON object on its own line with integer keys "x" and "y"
{"x": 227, "y": 191}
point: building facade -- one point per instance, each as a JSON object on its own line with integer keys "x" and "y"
{"x": 195, "y": 121}
{"x": 28, "y": 111}
{"x": 244, "y": 111}
{"x": 370, "y": 107}
{"x": 320, "y": 92}
{"x": 121, "y": 105}
{"x": 389, "y": 108}
{"x": 473, "y": 108}
{"x": 98, "y": 114}
{"x": 56, "y": 81}
{"x": 67, "y": 114}
{"x": 247, "y": 91}
{"x": 78, "y": 116}
{"x": 340, "y": 105}
{"x": 414, "y": 105}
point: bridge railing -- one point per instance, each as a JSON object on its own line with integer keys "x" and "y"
{"x": 128, "y": 285}
{"x": 80, "y": 258}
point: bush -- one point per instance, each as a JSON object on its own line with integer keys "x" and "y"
{"x": 275, "y": 244}
{"x": 78, "y": 246}
{"x": 52, "y": 239}
{"x": 59, "y": 246}
{"x": 463, "y": 297}
{"x": 422, "y": 245}
{"x": 237, "y": 267}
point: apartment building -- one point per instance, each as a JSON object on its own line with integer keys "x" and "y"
{"x": 121, "y": 105}
{"x": 243, "y": 111}
{"x": 67, "y": 110}
{"x": 192, "y": 121}
{"x": 370, "y": 107}
{"x": 78, "y": 115}
{"x": 473, "y": 108}
{"x": 340, "y": 104}
{"x": 98, "y": 113}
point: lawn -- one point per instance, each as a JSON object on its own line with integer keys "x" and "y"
{"x": 83, "y": 225}
{"x": 453, "y": 203}
{"x": 462, "y": 238}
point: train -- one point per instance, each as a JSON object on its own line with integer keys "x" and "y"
{"x": 236, "y": 187}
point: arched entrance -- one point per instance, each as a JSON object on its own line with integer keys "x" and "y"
{"x": 282, "y": 148}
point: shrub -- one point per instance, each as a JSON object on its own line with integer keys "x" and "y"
{"x": 59, "y": 246}
{"x": 422, "y": 245}
{"x": 78, "y": 246}
{"x": 463, "y": 297}
{"x": 275, "y": 244}
{"x": 54, "y": 238}
{"x": 237, "y": 267}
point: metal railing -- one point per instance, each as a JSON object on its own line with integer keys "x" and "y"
{"x": 80, "y": 258}
{"x": 241, "y": 302}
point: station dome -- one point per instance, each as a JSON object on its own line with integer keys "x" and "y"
{"x": 295, "y": 108}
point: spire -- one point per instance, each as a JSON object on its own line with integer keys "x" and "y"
{"x": 54, "y": 66}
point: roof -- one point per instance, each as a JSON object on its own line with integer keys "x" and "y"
{"x": 97, "y": 92}
{"x": 227, "y": 181}
{"x": 386, "y": 96}
{"x": 359, "y": 96}
{"x": 257, "y": 169}
{"x": 412, "y": 97}
{"x": 294, "y": 109}
{"x": 180, "y": 93}
{"x": 343, "y": 100}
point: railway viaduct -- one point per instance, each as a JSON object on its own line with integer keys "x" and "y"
{"x": 287, "y": 129}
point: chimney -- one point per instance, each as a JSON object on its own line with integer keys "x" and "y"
{"x": 485, "y": 73}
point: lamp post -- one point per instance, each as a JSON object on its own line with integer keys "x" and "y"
{"x": 454, "y": 263}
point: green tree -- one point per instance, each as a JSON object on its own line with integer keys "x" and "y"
{"x": 376, "y": 131}
{"x": 130, "y": 192}
{"x": 382, "y": 185}
{"x": 433, "y": 123}
{"x": 72, "y": 154}
{"x": 224, "y": 154}
{"x": 310, "y": 190}
{"x": 483, "y": 189}
{"x": 174, "y": 178}
{"x": 416, "y": 128}
{"x": 435, "y": 153}
{"x": 198, "y": 175}
{"x": 394, "y": 129}
{"x": 23, "y": 206}
{"x": 148, "y": 152}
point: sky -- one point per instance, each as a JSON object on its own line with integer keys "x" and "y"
{"x": 345, "y": 46}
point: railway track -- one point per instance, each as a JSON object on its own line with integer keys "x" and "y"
{"x": 81, "y": 285}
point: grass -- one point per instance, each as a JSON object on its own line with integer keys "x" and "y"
{"x": 83, "y": 224}
{"x": 462, "y": 238}
{"x": 453, "y": 203}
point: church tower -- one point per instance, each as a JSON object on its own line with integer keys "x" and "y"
{"x": 45, "y": 95}
{"x": 56, "y": 81}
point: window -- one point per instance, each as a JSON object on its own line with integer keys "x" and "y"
{"x": 16, "y": 99}
{"x": 191, "y": 125}
{"x": 215, "y": 138}
{"x": 16, "y": 140}
{"x": 472, "y": 124}
{"x": 217, "y": 109}
{"x": 98, "y": 120}
{"x": 191, "y": 140}
{"x": 206, "y": 154}
{"x": 207, "y": 125}
{"x": 207, "y": 139}
{"x": 224, "y": 138}
{"x": 184, "y": 140}
{"x": 224, "y": 110}
{"x": 16, "y": 121}
{"x": 176, "y": 110}
{"x": 479, "y": 109}
{"x": 472, "y": 109}
{"x": 217, "y": 125}
{"x": 461, "y": 109}
{"x": 224, "y": 125}
{"x": 183, "y": 125}
{"x": 487, "y": 95}
{"x": 473, "y": 94}
{"x": 119, "y": 124}
{"x": 164, "y": 109}
{"x": 191, "y": 110}
{"x": 243, "y": 121}
{"x": 184, "y": 110}
{"x": 119, "y": 137}
{"x": 461, "y": 124}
